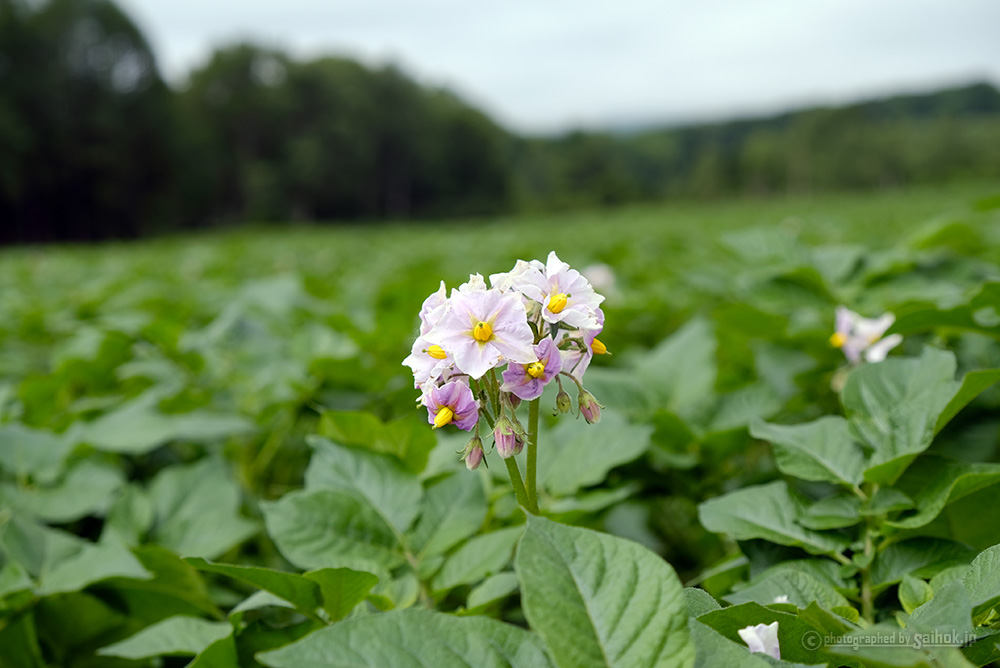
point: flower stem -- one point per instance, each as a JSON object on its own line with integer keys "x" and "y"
{"x": 515, "y": 480}
{"x": 532, "y": 455}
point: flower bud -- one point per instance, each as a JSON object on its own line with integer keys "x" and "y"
{"x": 515, "y": 400}
{"x": 590, "y": 407}
{"x": 473, "y": 454}
{"x": 508, "y": 443}
{"x": 563, "y": 403}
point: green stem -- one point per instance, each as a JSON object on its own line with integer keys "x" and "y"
{"x": 532, "y": 455}
{"x": 867, "y": 597}
{"x": 515, "y": 480}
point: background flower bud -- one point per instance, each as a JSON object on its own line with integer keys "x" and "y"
{"x": 474, "y": 457}
{"x": 563, "y": 403}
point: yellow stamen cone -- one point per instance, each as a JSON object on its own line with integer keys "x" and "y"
{"x": 482, "y": 332}
{"x": 599, "y": 347}
{"x": 837, "y": 340}
{"x": 535, "y": 369}
{"x": 557, "y": 302}
{"x": 437, "y": 352}
{"x": 444, "y": 416}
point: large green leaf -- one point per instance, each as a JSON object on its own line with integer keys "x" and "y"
{"x": 172, "y": 636}
{"x": 341, "y": 589}
{"x": 408, "y": 439}
{"x": 897, "y": 406}
{"x": 920, "y": 557}
{"x": 575, "y": 454}
{"x": 413, "y": 639}
{"x": 769, "y": 512}
{"x": 34, "y": 453}
{"x": 933, "y": 482}
{"x": 139, "y": 426}
{"x": 798, "y": 588}
{"x": 294, "y": 588}
{"x": 381, "y": 479}
{"x": 819, "y": 450}
{"x": 983, "y": 580}
{"x": 332, "y": 528}
{"x": 681, "y": 369}
{"x": 598, "y": 600}
{"x": 454, "y": 508}
{"x": 480, "y": 556}
{"x": 86, "y": 489}
{"x": 93, "y": 563}
{"x": 197, "y": 509}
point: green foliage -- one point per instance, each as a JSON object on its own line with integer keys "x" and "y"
{"x": 209, "y": 451}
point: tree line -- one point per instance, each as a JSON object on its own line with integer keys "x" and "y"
{"x": 95, "y": 145}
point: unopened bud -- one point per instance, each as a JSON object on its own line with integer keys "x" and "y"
{"x": 473, "y": 454}
{"x": 563, "y": 403}
{"x": 508, "y": 443}
{"x": 514, "y": 400}
{"x": 590, "y": 407}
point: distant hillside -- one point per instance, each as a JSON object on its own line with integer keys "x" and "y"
{"x": 932, "y": 137}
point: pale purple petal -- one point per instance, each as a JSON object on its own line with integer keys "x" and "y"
{"x": 519, "y": 382}
{"x": 432, "y": 309}
{"x": 457, "y": 396}
{"x": 762, "y": 639}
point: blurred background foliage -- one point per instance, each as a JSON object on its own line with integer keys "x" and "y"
{"x": 96, "y": 145}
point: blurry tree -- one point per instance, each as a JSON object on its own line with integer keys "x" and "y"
{"x": 84, "y": 122}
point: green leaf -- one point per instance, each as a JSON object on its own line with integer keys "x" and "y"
{"x": 913, "y": 593}
{"x": 494, "y": 588}
{"x": 86, "y": 489}
{"x": 933, "y": 482}
{"x": 34, "y": 453}
{"x": 801, "y": 589}
{"x": 833, "y": 512}
{"x": 982, "y": 580}
{"x": 341, "y": 589}
{"x": 598, "y": 600}
{"x": 409, "y": 439}
{"x": 681, "y": 370}
{"x": 453, "y": 509}
{"x": 413, "y": 639}
{"x": 948, "y": 612}
{"x": 380, "y": 479}
{"x": 479, "y": 557}
{"x": 93, "y": 563}
{"x": 331, "y": 528}
{"x": 138, "y": 427}
{"x": 578, "y": 455}
{"x": 920, "y": 557}
{"x": 296, "y": 589}
{"x": 197, "y": 509}
{"x": 699, "y": 601}
{"x": 19, "y": 641}
{"x": 819, "y": 450}
{"x": 171, "y": 637}
{"x": 897, "y": 406}
{"x": 769, "y": 512}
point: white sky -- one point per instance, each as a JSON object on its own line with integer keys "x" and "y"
{"x": 544, "y": 65}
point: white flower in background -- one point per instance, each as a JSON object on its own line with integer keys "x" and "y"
{"x": 602, "y": 278}
{"x": 780, "y": 599}
{"x": 762, "y": 639}
{"x": 858, "y": 336}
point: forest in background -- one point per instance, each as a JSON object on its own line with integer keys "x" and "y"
{"x": 95, "y": 145}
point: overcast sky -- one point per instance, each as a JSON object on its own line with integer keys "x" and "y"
{"x": 544, "y": 65}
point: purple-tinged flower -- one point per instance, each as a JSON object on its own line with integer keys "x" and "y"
{"x": 521, "y": 273}
{"x": 474, "y": 284}
{"x": 589, "y": 407}
{"x": 432, "y": 309}
{"x": 427, "y": 361}
{"x": 565, "y": 295}
{"x": 527, "y": 381}
{"x": 762, "y": 639}
{"x": 483, "y": 329}
{"x": 508, "y": 442}
{"x": 451, "y": 403}
{"x": 858, "y": 336}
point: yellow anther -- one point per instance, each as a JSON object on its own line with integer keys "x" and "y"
{"x": 535, "y": 369}
{"x": 444, "y": 416}
{"x": 599, "y": 347}
{"x": 557, "y": 302}
{"x": 838, "y": 339}
{"x": 437, "y": 352}
{"x": 482, "y": 332}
